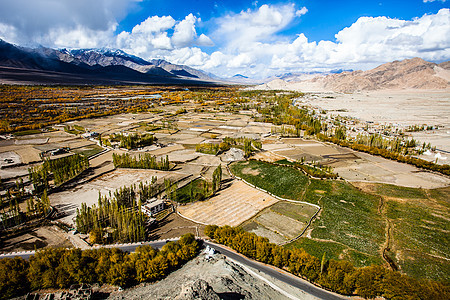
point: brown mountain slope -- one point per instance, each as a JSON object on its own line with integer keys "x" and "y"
{"x": 414, "y": 73}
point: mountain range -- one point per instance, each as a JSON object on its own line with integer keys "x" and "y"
{"x": 414, "y": 73}
{"x": 90, "y": 66}
{"x": 109, "y": 66}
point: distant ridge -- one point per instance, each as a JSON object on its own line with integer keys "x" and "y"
{"x": 414, "y": 73}
{"x": 90, "y": 66}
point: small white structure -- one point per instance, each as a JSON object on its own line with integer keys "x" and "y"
{"x": 153, "y": 207}
{"x": 209, "y": 252}
{"x": 88, "y": 135}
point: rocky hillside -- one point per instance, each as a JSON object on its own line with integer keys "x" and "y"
{"x": 90, "y": 66}
{"x": 413, "y": 73}
{"x": 210, "y": 278}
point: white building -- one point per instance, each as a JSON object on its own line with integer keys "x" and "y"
{"x": 89, "y": 135}
{"x": 152, "y": 207}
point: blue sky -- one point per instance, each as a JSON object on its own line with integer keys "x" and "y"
{"x": 323, "y": 20}
{"x": 254, "y": 38}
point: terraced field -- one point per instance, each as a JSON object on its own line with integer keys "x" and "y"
{"x": 282, "y": 221}
{"x": 231, "y": 206}
{"x": 282, "y": 181}
{"x": 419, "y": 239}
{"x": 349, "y": 225}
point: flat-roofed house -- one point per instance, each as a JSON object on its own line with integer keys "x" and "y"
{"x": 152, "y": 207}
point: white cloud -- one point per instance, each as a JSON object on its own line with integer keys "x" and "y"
{"x": 79, "y": 37}
{"x": 238, "y": 31}
{"x": 427, "y": 1}
{"x": 240, "y": 61}
{"x": 204, "y": 40}
{"x": 147, "y": 36}
{"x": 37, "y": 21}
{"x": 164, "y": 37}
{"x": 193, "y": 57}
{"x": 368, "y": 42}
{"x": 247, "y": 42}
{"x": 185, "y": 32}
{"x": 301, "y": 11}
{"x": 154, "y": 24}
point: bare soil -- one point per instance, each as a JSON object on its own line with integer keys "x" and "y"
{"x": 175, "y": 226}
{"x": 43, "y": 237}
{"x": 231, "y": 206}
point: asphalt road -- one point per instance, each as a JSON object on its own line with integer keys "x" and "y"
{"x": 271, "y": 271}
{"x": 277, "y": 274}
{"x": 123, "y": 247}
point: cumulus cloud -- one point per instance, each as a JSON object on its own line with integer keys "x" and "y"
{"x": 152, "y": 39}
{"x": 185, "y": 33}
{"x": 301, "y": 11}
{"x": 240, "y": 30}
{"x": 247, "y": 42}
{"x": 204, "y": 40}
{"x": 149, "y": 35}
{"x": 38, "y": 20}
{"x": 367, "y": 43}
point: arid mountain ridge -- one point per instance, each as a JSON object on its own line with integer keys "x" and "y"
{"x": 108, "y": 66}
{"x": 414, "y": 73}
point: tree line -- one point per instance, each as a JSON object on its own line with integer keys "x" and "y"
{"x": 314, "y": 169}
{"x": 145, "y": 161}
{"x": 60, "y": 268}
{"x": 38, "y": 204}
{"x": 211, "y": 148}
{"x": 278, "y": 109}
{"x": 62, "y": 169}
{"x": 131, "y": 141}
{"x": 118, "y": 215}
{"x": 37, "y": 207}
{"x": 24, "y": 108}
{"x": 418, "y": 162}
{"x": 199, "y": 189}
{"x": 246, "y": 144}
{"x": 338, "y": 276}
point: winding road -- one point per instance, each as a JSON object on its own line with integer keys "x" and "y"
{"x": 273, "y": 272}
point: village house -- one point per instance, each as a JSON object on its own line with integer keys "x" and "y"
{"x": 152, "y": 207}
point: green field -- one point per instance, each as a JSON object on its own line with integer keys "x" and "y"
{"x": 299, "y": 212}
{"x": 349, "y": 217}
{"x": 352, "y": 223}
{"x": 316, "y": 190}
{"x": 400, "y": 191}
{"x": 88, "y": 151}
{"x": 27, "y": 132}
{"x": 193, "y": 191}
{"x": 282, "y": 221}
{"x": 282, "y": 181}
{"x": 421, "y": 239}
{"x": 317, "y": 248}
